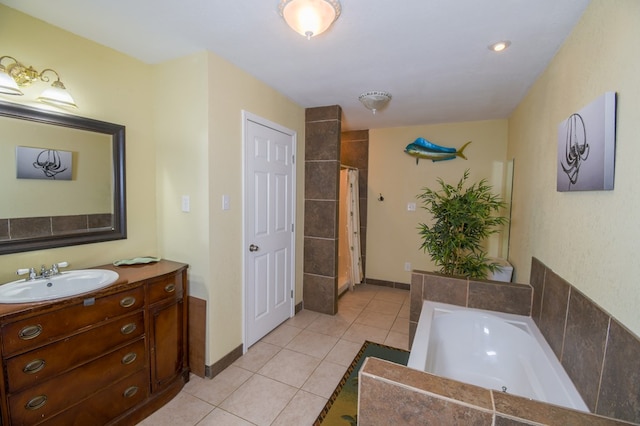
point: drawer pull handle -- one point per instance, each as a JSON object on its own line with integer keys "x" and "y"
{"x": 129, "y": 358}
{"x": 30, "y": 332}
{"x": 130, "y": 391}
{"x": 128, "y": 302}
{"x": 36, "y": 402}
{"x": 128, "y": 328}
{"x": 33, "y": 366}
{"x": 170, "y": 288}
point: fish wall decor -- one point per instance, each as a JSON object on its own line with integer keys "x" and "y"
{"x": 422, "y": 148}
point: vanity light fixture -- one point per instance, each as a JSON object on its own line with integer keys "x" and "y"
{"x": 15, "y": 75}
{"x": 310, "y": 17}
{"x": 375, "y": 100}
{"x": 500, "y": 46}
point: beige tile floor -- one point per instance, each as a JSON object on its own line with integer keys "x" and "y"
{"x": 287, "y": 377}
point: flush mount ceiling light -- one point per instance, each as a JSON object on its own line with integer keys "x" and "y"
{"x": 310, "y": 17}
{"x": 16, "y": 75}
{"x": 500, "y": 46}
{"x": 375, "y": 100}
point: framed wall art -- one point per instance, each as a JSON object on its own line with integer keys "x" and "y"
{"x": 586, "y": 147}
{"x": 43, "y": 163}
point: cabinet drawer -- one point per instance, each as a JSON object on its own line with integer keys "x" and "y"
{"x": 96, "y": 411}
{"x": 40, "y": 364}
{"x": 35, "y": 331}
{"x": 166, "y": 288}
{"x": 53, "y": 396}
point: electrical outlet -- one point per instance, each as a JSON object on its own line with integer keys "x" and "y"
{"x": 411, "y": 207}
{"x": 225, "y": 202}
{"x": 407, "y": 266}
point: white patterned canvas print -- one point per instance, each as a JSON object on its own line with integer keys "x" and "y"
{"x": 586, "y": 147}
{"x": 43, "y": 163}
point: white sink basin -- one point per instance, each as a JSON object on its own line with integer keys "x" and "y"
{"x": 69, "y": 283}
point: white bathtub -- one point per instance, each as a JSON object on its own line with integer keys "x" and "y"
{"x": 494, "y": 350}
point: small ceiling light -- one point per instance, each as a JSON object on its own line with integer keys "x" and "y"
{"x": 16, "y": 75}
{"x": 500, "y": 46}
{"x": 310, "y": 17}
{"x": 375, "y": 100}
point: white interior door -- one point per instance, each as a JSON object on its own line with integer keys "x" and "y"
{"x": 269, "y": 224}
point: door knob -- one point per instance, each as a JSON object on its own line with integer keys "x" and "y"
{"x": 253, "y": 247}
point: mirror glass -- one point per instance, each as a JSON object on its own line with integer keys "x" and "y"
{"x": 61, "y": 180}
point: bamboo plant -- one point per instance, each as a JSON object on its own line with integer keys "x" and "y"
{"x": 464, "y": 216}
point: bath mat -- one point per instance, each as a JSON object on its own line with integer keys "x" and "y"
{"x": 342, "y": 407}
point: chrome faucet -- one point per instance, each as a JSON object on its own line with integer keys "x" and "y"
{"x": 44, "y": 271}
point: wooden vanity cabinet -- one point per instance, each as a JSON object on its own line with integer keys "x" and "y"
{"x": 108, "y": 357}
{"x": 168, "y": 333}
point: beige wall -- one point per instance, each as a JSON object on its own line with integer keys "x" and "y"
{"x": 184, "y": 138}
{"x": 88, "y": 191}
{"x": 588, "y": 238}
{"x": 231, "y": 91}
{"x": 392, "y": 235}
{"x": 108, "y": 86}
{"x": 199, "y": 134}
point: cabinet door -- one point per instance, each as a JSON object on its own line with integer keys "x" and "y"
{"x": 167, "y": 343}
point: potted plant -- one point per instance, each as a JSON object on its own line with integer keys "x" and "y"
{"x": 464, "y": 216}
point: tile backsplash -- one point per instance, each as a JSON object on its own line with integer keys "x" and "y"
{"x": 46, "y": 226}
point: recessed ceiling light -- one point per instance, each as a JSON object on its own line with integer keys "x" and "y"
{"x": 500, "y": 46}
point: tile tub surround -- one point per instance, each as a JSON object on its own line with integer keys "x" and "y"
{"x": 482, "y": 294}
{"x": 394, "y": 394}
{"x": 598, "y": 353}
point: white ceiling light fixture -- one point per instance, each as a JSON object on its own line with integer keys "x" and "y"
{"x": 375, "y": 100}
{"x": 500, "y": 46}
{"x": 310, "y": 17}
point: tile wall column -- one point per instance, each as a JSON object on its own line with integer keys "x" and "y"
{"x": 322, "y": 189}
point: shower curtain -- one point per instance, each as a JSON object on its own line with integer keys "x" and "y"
{"x": 349, "y": 255}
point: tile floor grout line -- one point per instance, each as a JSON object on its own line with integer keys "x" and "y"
{"x": 355, "y": 306}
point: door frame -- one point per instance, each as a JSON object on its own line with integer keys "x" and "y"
{"x": 246, "y": 118}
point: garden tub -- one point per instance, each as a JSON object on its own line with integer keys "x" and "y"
{"x": 493, "y": 350}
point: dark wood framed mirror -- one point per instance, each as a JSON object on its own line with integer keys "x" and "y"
{"x": 44, "y": 208}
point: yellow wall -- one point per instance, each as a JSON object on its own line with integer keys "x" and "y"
{"x": 231, "y": 91}
{"x": 107, "y": 86}
{"x": 88, "y": 191}
{"x": 392, "y": 235}
{"x": 199, "y": 135}
{"x": 182, "y": 139}
{"x": 588, "y": 238}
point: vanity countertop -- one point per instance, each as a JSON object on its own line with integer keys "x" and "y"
{"x": 129, "y": 276}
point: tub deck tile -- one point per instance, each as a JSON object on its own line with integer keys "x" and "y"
{"x": 524, "y": 408}
{"x": 429, "y": 383}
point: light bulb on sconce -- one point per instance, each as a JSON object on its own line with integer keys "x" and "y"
{"x": 16, "y": 75}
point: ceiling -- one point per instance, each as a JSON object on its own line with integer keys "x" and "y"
{"x": 431, "y": 55}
